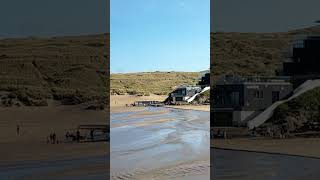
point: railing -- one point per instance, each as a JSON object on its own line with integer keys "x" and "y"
{"x": 238, "y": 79}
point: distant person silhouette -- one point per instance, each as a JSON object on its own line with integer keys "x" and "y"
{"x": 91, "y": 135}
{"x": 18, "y": 129}
{"x": 51, "y": 138}
{"x": 54, "y": 138}
{"x": 67, "y": 135}
{"x": 78, "y": 136}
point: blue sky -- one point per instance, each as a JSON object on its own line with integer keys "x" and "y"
{"x": 159, "y": 35}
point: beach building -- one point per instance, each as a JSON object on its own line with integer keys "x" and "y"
{"x": 237, "y": 100}
{"x": 304, "y": 57}
{"x": 204, "y": 80}
{"x": 183, "y": 93}
{"x": 303, "y": 60}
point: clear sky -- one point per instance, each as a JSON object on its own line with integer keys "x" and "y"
{"x": 159, "y": 35}
{"x": 21, "y": 18}
{"x": 263, "y": 15}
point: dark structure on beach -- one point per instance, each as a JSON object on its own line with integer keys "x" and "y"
{"x": 303, "y": 62}
{"x": 236, "y": 100}
{"x": 205, "y": 80}
{"x": 147, "y": 103}
{"x": 94, "y": 132}
{"x": 183, "y": 93}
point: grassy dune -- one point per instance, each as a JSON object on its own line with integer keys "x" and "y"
{"x": 160, "y": 83}
{"x": 251, "y": 53}
{"x": 72, "y": 70}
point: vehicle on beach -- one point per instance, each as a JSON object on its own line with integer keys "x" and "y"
{"x": 88, "y": 133}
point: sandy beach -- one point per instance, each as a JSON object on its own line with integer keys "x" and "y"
{"x": 36, "y": 123}
{"x": 118, "y": 103}
{"x": 123, "y": 100}
{"x": 166, "y": 138}
{"x": 242, "y": 165}
{"x": 192, "y": 107}
{"x": 297, "y": 146}
{"x": 160, "y": 143}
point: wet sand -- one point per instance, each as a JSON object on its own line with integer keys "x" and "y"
{"x": 238, "y": 165}
{"x": 191, "y": 107}
{"x": 68, "y": 168}
{"x": 118, "y": 103}
{"x": 123, "y": 100}
{"x": 171, "y": 144}
{"x": 119, "y": 109}
{"x": 297, "y": 146}
{"x": 22, "y": 152}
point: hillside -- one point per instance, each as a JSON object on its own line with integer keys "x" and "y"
{"x": 263, "y": 54}
{"x": 251, "y": 53}
{"x": 72, "y": 70}
{"x": 298, "y": 115}
{"x": 160, "y": 83}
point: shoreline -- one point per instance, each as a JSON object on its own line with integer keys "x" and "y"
{"x": 266, "y": 152}
{"x": 176, "y": 141}
{"x": 123, "y": 109}
{"x": 307, "y": 146}
{"x": 205, "y": 108}
{"x": 121, "y": 103}
{"x": 52, "y": 152}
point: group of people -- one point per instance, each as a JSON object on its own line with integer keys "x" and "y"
{"x": 70, "y": 136}
{"x": 218, "y": 134}
{"x": 52, "y": 138}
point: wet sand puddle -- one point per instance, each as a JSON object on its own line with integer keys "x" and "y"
{"x": 164, "y": 144}
{"x": 239, "y": 165}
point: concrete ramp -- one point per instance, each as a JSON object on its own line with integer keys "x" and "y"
{"x": 194, "y": 96}
{"x": 266, "y": 114}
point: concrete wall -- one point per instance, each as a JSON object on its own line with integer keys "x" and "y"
{"x": 240, "y": 117}
{"x": 251, "y": 103}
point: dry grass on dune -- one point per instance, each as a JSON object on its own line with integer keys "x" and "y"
{"x": 159, "y": 83}
{"x": 251, "y": 53}
{"x": 72, "y": 70}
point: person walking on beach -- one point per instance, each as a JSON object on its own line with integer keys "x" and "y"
{"x": 67, "y": 135}
{"x": 78, "y": 136}
{"x": 91, "y": 134}
{"x": 18, "y": 129}
{"x": 50, "y": 137}
{"x": 54, "y": 138}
